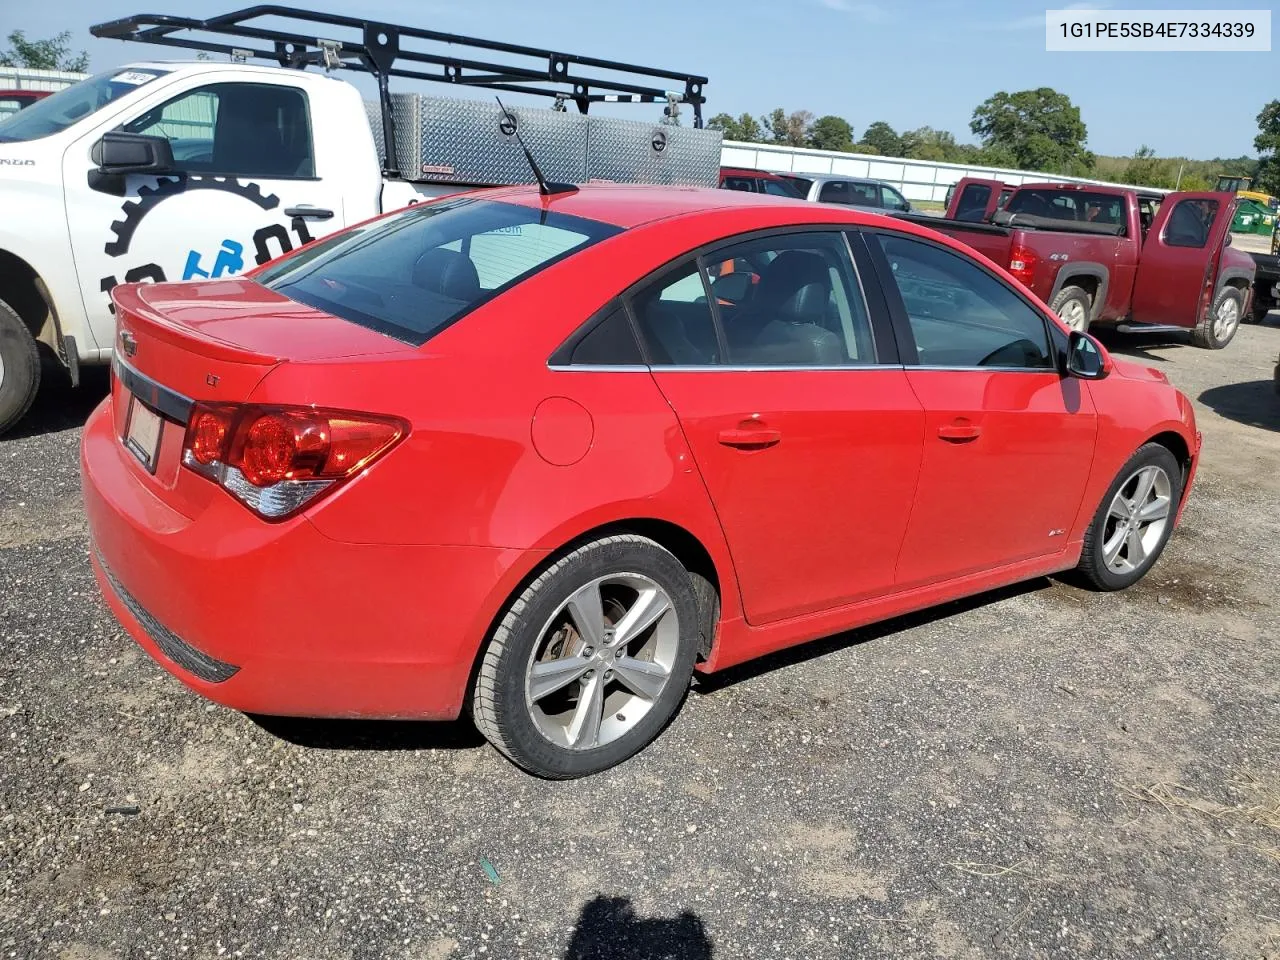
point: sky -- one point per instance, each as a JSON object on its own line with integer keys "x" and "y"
{"x": 911, "y": 63}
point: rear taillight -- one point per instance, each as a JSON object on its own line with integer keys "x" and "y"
{"x": 1022, "y": 263}
{"x": 276, "y": 460}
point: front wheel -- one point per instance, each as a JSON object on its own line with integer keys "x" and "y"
{"x": 1134, "y": 521}
{"x": 1221, "y": 322}
{"x": 591, "y": 661}
{"x": 19, "y": 368}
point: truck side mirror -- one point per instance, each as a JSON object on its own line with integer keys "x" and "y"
{"x": 119, "y": 153}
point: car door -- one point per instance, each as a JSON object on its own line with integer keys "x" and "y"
{"x": 1180, "y": 258}
{"x": 245, "y": 188}
{"x": 1008, "y": 441}
{"x": 797, "y": 413}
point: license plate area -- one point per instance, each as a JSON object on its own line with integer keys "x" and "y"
{"x": 142, "y": 431}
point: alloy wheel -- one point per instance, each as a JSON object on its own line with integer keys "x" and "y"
{"x": 602, "y": 661}
{"x": 1226, "y": 319}
{"x": 1137, "y": 519}
{"x": 1073, "y": 315}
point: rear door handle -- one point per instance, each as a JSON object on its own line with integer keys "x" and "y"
{"x": 959, "y": 432}
{"x": 309, "y": 213}
{"x": 749, "y": 438}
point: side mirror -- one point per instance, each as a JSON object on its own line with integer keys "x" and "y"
{"x": 1087, "y": 359}
{"x": 906, "y": 206}
{"x": 119, "y": 152}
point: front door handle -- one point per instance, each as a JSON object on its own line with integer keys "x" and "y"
{"x": 309, "y": 213}
{"x": 962, "y": 431}
{"x": 750, "y": 438}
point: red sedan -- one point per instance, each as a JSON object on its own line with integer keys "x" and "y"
{"x": 541, "y": 457}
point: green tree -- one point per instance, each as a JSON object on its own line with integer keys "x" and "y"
{"x": 792, "y": 128}
{"x": 1148, "y": 170}
{"x": 831, "y": 133}
{"x": 773, "y": 126}
{"x": 52, "y": 54}
{"x": 745, "y": 128}
{"x": 1040, "y": 128}
{"x": 1267, "y": 143}
{"x": 926, "y": 143}
{"x": 882, "y": 139}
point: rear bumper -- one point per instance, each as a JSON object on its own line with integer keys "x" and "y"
{"x": 277, "y": 618}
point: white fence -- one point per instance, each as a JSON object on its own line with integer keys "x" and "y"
{"x": 917, "y": 179}
{"x": 23, "y": 78}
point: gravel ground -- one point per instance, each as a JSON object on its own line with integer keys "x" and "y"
{"x": 1041, "y": 772}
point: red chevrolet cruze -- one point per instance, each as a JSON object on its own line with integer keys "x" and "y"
{"x": 541, "y": 457}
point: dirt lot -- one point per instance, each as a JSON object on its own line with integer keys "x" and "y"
{"x": 1042, "y": 772}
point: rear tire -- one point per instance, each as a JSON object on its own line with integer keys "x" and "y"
{"x": 1074, "y": 306}
{"x": 1222, "y": 321}
{"x": 1134, "y": 520}
{"x": 564, "y": 694}
{"x": 19, "y": 368}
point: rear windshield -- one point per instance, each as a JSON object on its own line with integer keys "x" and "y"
{"x": 1075, "y": 205}
{"x": 412, "y": 274}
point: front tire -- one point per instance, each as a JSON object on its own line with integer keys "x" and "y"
{"x": 1222, "y": 321}
{"x": 1074, "y": 306}
{"x": 1134, "y": 520}
{"x": 591, "y": 661}
{"x": 19, "y": 368}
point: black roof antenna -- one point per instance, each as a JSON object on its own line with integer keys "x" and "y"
{"x": 545, "y": 187}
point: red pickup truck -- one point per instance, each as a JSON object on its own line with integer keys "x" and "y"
{"x": 1108, "y": 255}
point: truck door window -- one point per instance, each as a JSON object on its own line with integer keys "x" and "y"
{"x": 836, "y": 191}
{"x": 1190, "y": 223}
{"x": 235, "y": 129}
{"x": 738, "y": 183}
{"x": 973, "y": 202}
{"x": 960, "y": 315}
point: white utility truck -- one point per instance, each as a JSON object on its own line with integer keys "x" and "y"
{"x": 176, "y": 171}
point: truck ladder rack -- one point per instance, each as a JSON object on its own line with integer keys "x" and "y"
{"x": 379, "y": 50}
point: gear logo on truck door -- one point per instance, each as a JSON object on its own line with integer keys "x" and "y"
{"x": 151, "y": 197}
{"x": 269, "y": 241}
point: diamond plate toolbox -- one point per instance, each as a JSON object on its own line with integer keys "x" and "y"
{"x": 468, "y": 141}
{"x": 629, "y": 151}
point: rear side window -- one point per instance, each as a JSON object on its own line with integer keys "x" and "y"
{"x": 610, "y": 342}
{"x": 1190, "y": 223}
{"x": 675, "y": 319}
{"x": 739, "y": 183}
{"x": 412, "y": 274}
{"x": 960, "y": 315}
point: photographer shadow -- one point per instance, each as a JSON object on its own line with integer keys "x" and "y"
{"x": 608, "y": 929}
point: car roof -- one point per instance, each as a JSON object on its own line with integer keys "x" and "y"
{"x": 830, "y": 177}
{"x": 749, "y": 172}
{"x": 628, "y": 205}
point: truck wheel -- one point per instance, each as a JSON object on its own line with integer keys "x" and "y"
{"x": 1261, "y": 307}
{"x": 19, "y": 368}
{"x": 1221, "y": 322}
{"x": 1074, "y": 306}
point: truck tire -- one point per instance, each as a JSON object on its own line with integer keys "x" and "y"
{"x": 1074, "y": 307}
{"x": 1261, "y": 307}
{"x": 19, "y": 368}
{"x": 1221, "y": 322}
